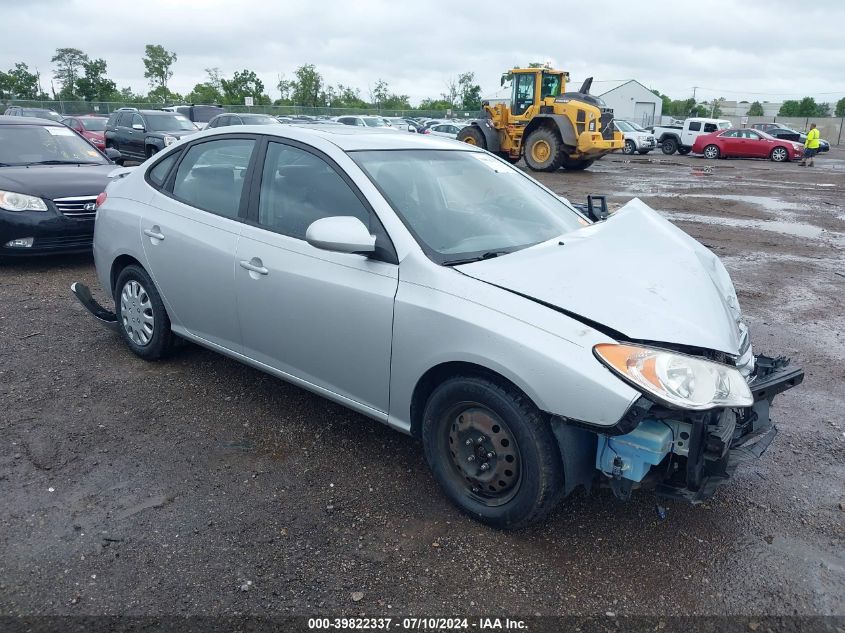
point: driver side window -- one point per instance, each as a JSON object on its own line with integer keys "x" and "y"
{"x": 523, "y": 96}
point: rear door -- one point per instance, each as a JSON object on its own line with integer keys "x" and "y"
{"x": 321, "y": 317}
{"x": 190, "y": 232}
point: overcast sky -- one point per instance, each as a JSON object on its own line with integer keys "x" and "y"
{"x": 738, "y": 49}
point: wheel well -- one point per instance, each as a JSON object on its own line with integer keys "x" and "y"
{"x": 538, "y": 122}
{"x": 440, "y": 373}
{"x": 118, "y": 265}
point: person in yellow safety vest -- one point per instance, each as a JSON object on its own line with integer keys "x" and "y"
{"x": 811, "y": 146}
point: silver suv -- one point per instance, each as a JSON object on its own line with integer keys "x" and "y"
{"x": 433, "y": 287}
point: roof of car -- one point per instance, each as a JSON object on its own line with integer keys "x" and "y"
{"x": 350, "y": 138}
{"x": 28, "y": 120}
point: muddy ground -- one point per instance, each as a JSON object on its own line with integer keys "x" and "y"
{"x": 200, "y": 486}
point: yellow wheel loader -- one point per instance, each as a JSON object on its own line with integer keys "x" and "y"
{"x": 549, "y": 127}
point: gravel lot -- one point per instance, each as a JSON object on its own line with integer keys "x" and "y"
{"x": 200, "y": 486}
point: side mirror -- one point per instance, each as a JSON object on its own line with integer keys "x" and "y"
{"x": 341, "y": 234}
{"x": 111, "y": 153}
{"x": 137, "y": 126}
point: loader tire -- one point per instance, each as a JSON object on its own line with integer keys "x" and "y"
{"x": 576, "y": 165}
{"x": 543, "y": 150}
{"x": 473, "y": 136}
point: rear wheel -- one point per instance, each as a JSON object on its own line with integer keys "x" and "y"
{"x": 669, "y": 146}
{"x": 711, "y": 151}
{"x": 543, "y": 150}
{"x": 492, "y": 451}
{"x": 576, "y": 165}
{"x": 142, "y": 320}
{"x": 683, "y": 151}
{"x": 473, "y": 136}
{"x": 779, "y": 155}
{"x": 629, "y": 148}
{"x": 151, "y": 151}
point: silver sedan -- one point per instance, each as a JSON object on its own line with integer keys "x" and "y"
{"x": 533, "y": 345}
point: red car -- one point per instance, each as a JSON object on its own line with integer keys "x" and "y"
{"x": 91, "y": 127}
{"x": 745, "y": 143}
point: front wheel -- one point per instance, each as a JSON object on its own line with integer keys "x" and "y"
{"x": 712, "y": 152}
{"x": 543, "y": 150}
{"x": 577, "y": 165}
{"x": 669, "y": 146}
{"x": 492, "y": 451}
{"x": 142, "y": 320}
{"x": 779, "y": 155}
{"x": 683, "y": 151}
{"x": 629, "y": 148}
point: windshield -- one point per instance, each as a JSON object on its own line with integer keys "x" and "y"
{"x": 724, "y": 125}
{"x": 374, "y": 122}
{"x": 93, "y": 125}
{"x": 624, "y": 126}
{"x": 464, "y": 205}
{"x": 169, "y": 123}
{"x": 28, "y": 144}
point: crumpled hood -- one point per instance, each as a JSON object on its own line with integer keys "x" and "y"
{"x": 56, "y": 181}
{"x": 635, "y": 273}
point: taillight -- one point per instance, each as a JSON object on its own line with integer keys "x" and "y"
{"x": 101, "y": 199}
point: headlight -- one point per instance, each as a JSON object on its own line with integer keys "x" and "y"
{"x": 169, "y": 140}
{"x": 11, "y": 201}
{"x": 676, "y": 380}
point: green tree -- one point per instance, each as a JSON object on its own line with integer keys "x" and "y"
{"x": 806, "y": 107}
{"x": 210, "y": 91}
{"x": 125, "y": 95}
{"x": 379, "y": 94}
{"x": 469, "y": 92}
{"x": 19, "y": 83}
{"x": 95, "y": 86}
{"x": 840, "y": 107}
{"x": 341, "y": 96}
{"x": 307, "y": 89}
{"x": 69, "y": 63}
{"x": 244, "y": 84}
{"x": 162, "y": 94}
{"x": 158, "y": 64}
{"x": 756, "y": 109}
{"x": 434, "y": 104}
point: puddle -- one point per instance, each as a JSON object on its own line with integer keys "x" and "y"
{"x": 795, "y": 229}
{"x": 770, "y": 204}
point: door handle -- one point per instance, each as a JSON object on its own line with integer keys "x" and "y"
{"x": 154, "y": 233}
{"x": 254, "y": 266}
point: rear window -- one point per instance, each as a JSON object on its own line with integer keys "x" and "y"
{"x": 710, "y": 127}
{"x": 695, "y": 126}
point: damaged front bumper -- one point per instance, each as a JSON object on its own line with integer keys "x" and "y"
{"x": 687, "y": 455}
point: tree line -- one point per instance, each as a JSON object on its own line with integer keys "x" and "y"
{"x": 77, "y": 77}
{"x": 806, "y": 107}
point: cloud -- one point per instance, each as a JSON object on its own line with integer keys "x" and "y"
{"x": 730, "y": 48}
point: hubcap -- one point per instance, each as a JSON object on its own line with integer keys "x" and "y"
{"x": 540, "y": 151}
{"x": 779, "y": 154}
{"x": 136, "y": 312}
{"x": 485, "y": 455}
{"x": 711, "y": 152}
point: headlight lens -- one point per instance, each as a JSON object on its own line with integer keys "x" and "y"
{"x": 11, "y": 201}
{"x": 169, "y": 140}
{"x": 676, "y": 380}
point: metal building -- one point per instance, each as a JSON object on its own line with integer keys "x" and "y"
{"x": 630, "y": 100}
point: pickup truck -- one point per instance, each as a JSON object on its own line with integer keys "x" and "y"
{"x": 679, "y": 138}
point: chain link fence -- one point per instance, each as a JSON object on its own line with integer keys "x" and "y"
{"x": 70, "y": 108}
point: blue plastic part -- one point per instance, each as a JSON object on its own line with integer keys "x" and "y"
{"x": 631, "y": 456}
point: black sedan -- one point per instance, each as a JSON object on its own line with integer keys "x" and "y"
{"x": 50, "y": 178}
{"x": 787, "y": 134}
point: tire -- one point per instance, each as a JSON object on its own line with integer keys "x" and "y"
{"x": 683, "y": 151}
{"x": 629, "y": 148}
{"x": 152, "y": 150}
{"x": 543, "y": 150}
{"x": 141, "y": 318}
{"x": 712, "y": 152}
{"x": 473, "y": 136}
{"x": 779, "y": 154}
{"x": 644, "y": 151}
{"x": 576, "y": 165}
{"x": 669, "y": 146}
{"x": 524, "y": 477}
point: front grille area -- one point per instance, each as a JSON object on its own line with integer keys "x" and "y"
{"x": 65, "y": 241}
{"x": 76, "y": 207}
{"x": 606, "y": 123}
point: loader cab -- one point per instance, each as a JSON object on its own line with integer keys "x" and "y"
{"x": 532, "y": 86}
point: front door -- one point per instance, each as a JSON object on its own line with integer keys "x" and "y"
{"x": 324, "y": 318}
{"x": 190, "y": 232}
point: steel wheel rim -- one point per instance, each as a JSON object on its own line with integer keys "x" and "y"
{"x": 484, "y": 454}
{"x": 779, "y": 154}
{"x": 469, "y": 140}
{"x": 136, "y": 313}
{"x": 629, "y": 147}
{"x": 711, "y": 152}
{"x": 540, "y": 151}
